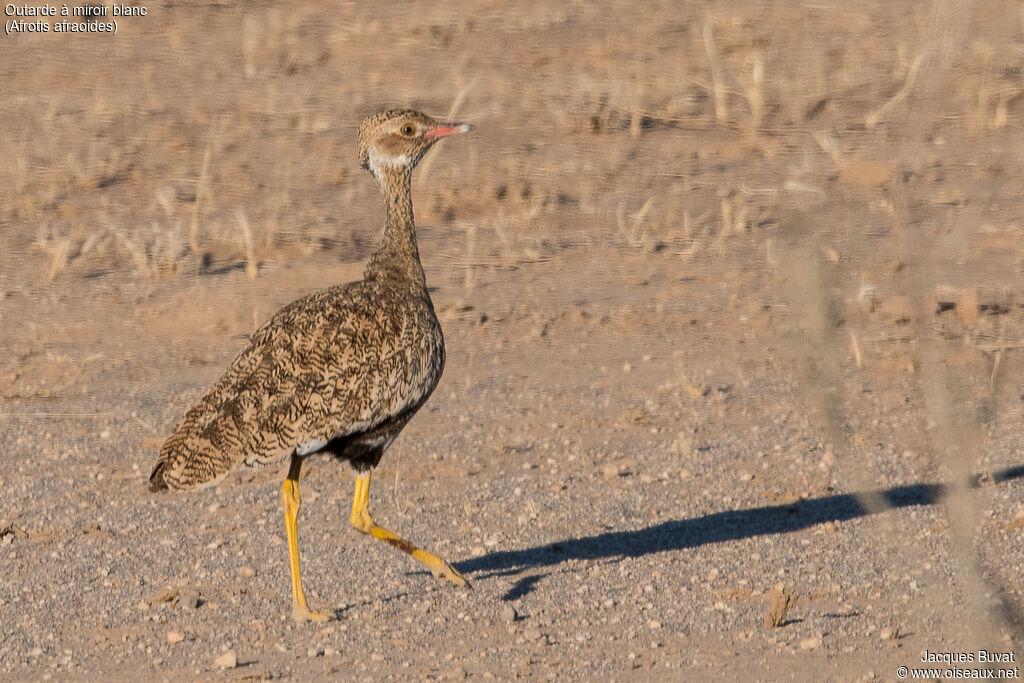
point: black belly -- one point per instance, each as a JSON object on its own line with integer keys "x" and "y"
{"x": 365, "y": 449}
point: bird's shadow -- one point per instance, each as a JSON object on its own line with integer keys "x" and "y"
{"x": 713, "y": 528}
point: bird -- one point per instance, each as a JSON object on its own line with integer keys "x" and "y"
{"x": 339, "y": 371}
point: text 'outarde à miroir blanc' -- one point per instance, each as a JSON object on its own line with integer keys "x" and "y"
{"x": 65, "y": 19}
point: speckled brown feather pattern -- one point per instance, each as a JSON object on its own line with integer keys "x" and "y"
{"x": 340, "y": 370}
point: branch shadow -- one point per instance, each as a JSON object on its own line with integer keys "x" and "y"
{"x": 714, "y": 528}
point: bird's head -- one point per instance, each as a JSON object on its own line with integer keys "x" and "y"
{"x": 399, "y": 138}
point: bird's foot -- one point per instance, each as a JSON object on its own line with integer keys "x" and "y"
{"x": 449, "y": 573}
{"x": 303, "y": 614}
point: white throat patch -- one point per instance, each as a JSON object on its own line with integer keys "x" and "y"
{"x": 378, "y": 162}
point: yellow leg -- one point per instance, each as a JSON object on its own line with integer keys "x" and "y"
{"x": 362, "y": 521}
{"x": 292, "y": 501}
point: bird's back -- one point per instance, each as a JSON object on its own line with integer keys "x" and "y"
{"x": 335, "y": 363}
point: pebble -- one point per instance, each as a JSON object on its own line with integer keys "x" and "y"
{"x": 532, "y": 633}
{"x": 175, "y": 637}
{"x": 509, "y": 613}
{"x": 810, "y": 643}
{"x": 189, "y": 601}
{"x": 246, "y": 572}
{"x": 683, "y": 445}
{"x": 228, "y": 660}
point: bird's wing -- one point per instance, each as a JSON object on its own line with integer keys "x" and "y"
{"x": 334, "y": 363}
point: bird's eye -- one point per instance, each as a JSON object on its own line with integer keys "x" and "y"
{"x": 407, "y": 129}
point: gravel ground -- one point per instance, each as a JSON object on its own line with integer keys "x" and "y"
{"x": 713, "y": 389}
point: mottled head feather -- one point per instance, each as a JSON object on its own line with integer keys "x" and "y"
{"x": 396, "y": 138}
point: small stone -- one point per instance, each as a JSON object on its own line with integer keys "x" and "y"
{"x": 532, "y": 633}
{"x": 228, "y": 660}
{"x": 887, "y": 634}
{"x": 509, "y": 612}
{"x": 175, "y": 637}
{"x": 683, "y": 445}
{"x": 246, "y": 572}
{"x": 810, "y": 643}
{"x": 654, "y": 625}
{"x": 626, "y": 367}
{"x": 456, "y": 674}
{"x": 611, "y": 470}
{"x": 782, "y": 600}
{"x": 189, "y": 601}
{"x": 35, "y": 652}
{"x": 315, "y": 651}
{"x": 165, "y": 596}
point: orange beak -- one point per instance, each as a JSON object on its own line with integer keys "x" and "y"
{"x": 445, "y": 129}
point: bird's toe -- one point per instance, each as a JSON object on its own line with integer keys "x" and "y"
{"x": 302, "y": 616}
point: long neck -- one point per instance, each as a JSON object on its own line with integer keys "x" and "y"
{"x": 398, "y": 255}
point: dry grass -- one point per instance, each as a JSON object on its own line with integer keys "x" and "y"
{"x": 158, "y": 252}
{"x": 251, "y": 267}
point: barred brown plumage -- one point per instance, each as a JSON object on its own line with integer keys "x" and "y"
{"x": 339, "y": 371}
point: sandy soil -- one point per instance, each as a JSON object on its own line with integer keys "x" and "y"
{"x": 732, "y": 298}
